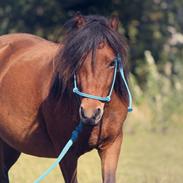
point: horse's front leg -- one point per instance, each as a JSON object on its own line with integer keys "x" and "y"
{"x": 109, "y": 155}
{"x": 69, "y": 168}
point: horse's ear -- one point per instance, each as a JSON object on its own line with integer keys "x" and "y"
{"x": 79, "y": 20}
{"x": 114, "y": 22}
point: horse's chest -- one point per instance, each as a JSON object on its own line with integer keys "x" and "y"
{"x": 98, "y": 136}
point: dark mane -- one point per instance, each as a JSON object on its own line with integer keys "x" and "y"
{"x": 78, "y": 42}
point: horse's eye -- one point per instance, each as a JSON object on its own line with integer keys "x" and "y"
{"x": 112, "y": 64}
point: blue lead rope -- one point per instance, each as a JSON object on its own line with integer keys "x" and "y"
{"x": 73, "y": 138}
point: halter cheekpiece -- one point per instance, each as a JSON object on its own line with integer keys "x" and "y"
{"x": 118, "y": 67}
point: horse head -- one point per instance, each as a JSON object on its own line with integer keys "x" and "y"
{"x": 93, "y": 50}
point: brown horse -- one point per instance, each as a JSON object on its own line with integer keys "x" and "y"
{"x": 38, "y": 109}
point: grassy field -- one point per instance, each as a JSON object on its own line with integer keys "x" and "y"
{"x": 146, "y": 157}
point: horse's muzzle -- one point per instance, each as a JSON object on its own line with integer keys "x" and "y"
{"x": 90, "y": 116}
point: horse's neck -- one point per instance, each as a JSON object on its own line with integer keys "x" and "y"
{"x": 66, "y": 106}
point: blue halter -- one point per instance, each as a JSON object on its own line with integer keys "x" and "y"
{"x": 108, "y": 98}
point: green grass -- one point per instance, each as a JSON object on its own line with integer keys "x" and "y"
{"x": 145, "y": 158}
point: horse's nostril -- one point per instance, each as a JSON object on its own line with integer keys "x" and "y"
{"x": 82, "y": 112}
{"x": 90, "y": 114}
{"x": 98, "y": 111}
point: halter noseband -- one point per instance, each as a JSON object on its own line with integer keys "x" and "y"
{"x": 118, "y": 64}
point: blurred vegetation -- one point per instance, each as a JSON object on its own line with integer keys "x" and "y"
{"x": 154, "y": 31}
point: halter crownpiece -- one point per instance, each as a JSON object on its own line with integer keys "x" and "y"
{"x": 118, "y": 64}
